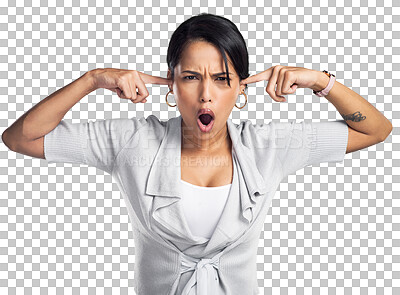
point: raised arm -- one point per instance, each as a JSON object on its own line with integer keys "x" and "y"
{"x": 25, "y": 135}
{"x": 367, "y": 125}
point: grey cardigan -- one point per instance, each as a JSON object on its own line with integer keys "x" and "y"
{"x": 143, "y": 156}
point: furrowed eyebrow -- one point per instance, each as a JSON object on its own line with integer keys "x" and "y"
{"x": 217, "y": 74}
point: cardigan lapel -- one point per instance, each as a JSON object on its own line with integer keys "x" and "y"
{"x": 164, "y": 179}
{"x": 247, "y": 187}
{"x": 163, "y": 186}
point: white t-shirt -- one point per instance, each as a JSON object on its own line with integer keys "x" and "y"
{"x": 203, "y": 206}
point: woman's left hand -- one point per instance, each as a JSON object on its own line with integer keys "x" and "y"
{"x": 286, "y": 79}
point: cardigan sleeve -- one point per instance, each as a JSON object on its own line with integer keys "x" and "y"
{"x": 91, "y": 143}
{"x": 309, "y": 143}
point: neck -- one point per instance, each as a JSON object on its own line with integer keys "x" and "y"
{"x": 191, "y": 143}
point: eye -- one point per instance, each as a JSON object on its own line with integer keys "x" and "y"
{"x": 188, "y": 77}
{"x": 223, "y": 78}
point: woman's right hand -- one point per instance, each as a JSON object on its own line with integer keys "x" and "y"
{"x": 125, "y": 82}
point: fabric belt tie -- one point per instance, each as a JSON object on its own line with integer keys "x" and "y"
{"x": 205, "y": 275}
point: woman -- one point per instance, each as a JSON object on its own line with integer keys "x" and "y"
{"x": 198, "y": 186}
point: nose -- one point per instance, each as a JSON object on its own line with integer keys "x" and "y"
{"x": 205, "y": 95}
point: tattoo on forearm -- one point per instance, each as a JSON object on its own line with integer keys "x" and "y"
{"x": 356, "y": 117}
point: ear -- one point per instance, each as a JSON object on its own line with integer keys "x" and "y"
{"x": 169, "y": 77}
{"x": 242, "y": 88}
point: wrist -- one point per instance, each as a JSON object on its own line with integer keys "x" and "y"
{"x": 321, "y": 83}
{"x": 91, "y": 80}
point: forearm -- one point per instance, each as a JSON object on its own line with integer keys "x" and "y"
{"x": 47, "y": 114}
{"x": 358, "y": 113}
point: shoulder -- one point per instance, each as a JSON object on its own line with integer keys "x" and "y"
{"x": 248, "y": 127}
{"x": 155, "y": 122}
{"x": 272, "y": 129}
{"x": 146, "y": 129}
{"x": 144, "y": 124}
{"x": 252, "y": 134}
{"x": 273, "y": 134}
{"x": 153, "y": 127}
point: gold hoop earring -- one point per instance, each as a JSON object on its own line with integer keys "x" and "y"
{"x": 244, "y": 104}
{"x": 166, "y": 99}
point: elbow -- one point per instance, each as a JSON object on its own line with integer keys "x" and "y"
{"x": 5, "y": 138}
{"x": 386, "y": 134}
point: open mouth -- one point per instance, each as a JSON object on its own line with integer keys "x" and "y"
{"x": 205, "y": 122}
{"x": 206, "y": 119}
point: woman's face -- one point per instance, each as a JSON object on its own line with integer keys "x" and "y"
{"x": 204, "y": 89}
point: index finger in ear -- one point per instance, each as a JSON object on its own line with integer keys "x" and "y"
{"x": 142, "y": 91}
{"x": 149, "y": 79}
{"x": 266, "y": 75}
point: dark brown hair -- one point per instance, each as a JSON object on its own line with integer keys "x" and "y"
{"x": 217, "y": 30}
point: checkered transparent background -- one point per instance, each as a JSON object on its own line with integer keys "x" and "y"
{"x": 332, "y": 229}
